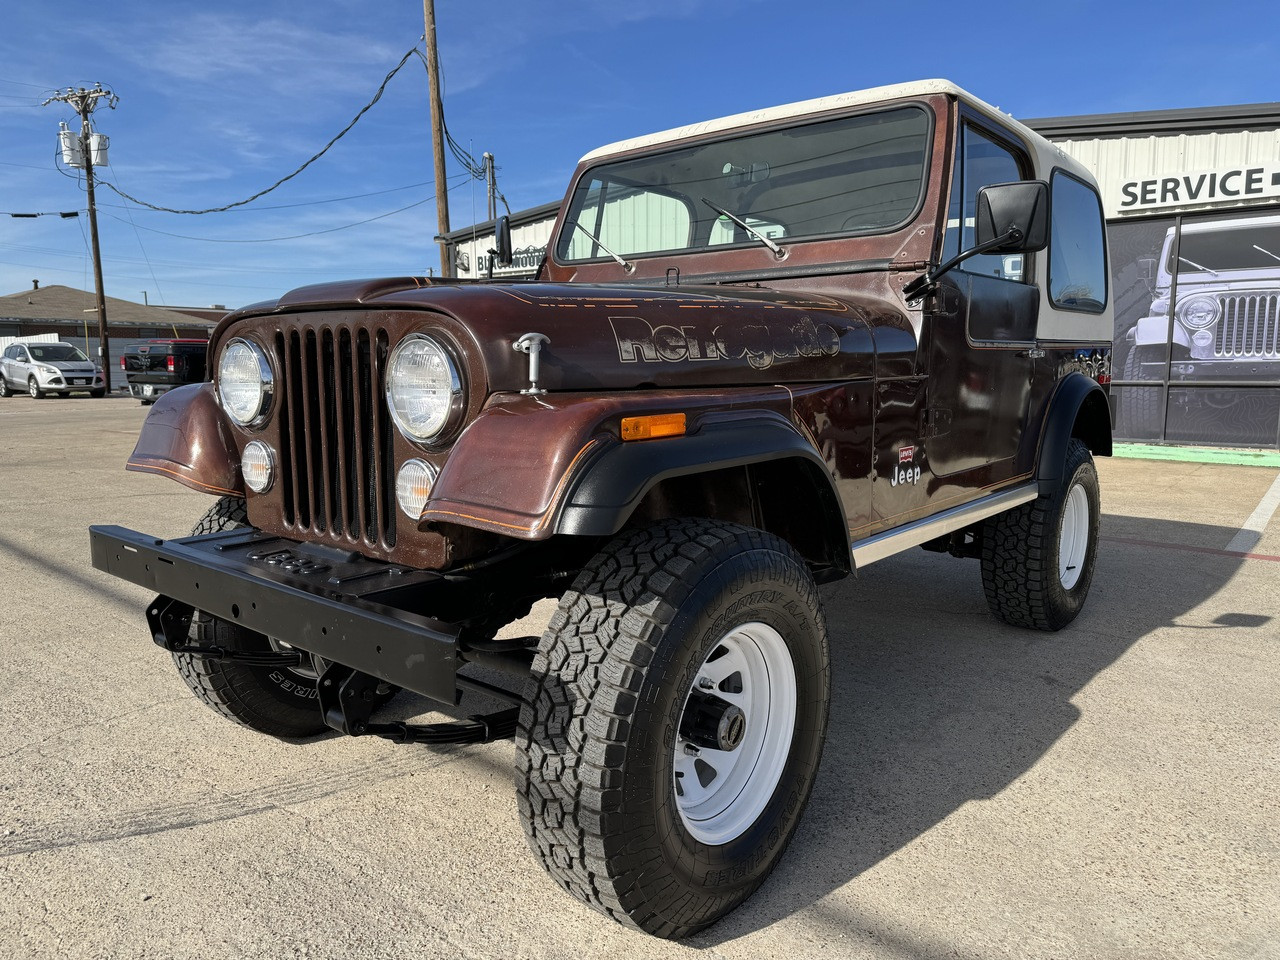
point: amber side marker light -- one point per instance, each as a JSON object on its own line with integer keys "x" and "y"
{"x": 650, "y": 428}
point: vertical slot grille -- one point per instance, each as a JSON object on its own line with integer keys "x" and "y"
{"x": 337, "y": 452}
{"x": 1249, "y": 327}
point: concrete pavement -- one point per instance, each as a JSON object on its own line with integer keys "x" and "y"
{"x": 1108, "y": 791}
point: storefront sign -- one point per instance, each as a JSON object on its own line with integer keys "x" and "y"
{"x": 1227, "y": 185}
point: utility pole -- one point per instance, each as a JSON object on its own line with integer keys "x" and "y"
{"x": 491, "y": 184}
{"x": 84, "y": 102}
{"x": 437, "y": 134}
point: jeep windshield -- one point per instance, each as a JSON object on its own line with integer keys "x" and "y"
{"x": 853, "y": 175}
{"x": 1248, "y": 247}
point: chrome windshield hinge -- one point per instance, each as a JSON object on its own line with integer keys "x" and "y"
{"x": 531, "y": 343}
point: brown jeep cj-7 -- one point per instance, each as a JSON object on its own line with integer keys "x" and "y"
{"x": 760, "y": 353}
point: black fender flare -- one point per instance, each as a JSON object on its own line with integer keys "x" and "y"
{"x": 612, "y": 485}
{"x": 1078, "y": 408}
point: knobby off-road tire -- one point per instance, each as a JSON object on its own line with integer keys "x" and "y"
{"x": 1038, "y": 559}
{"x": 691, "y": 652}
{"x": 275, "y": 700}
{"x": 1141, "y": 414}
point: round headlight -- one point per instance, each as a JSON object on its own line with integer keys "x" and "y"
{"x": 1197, "y": 312}
{"x": 424, "y": 392}
{"x": 244, "y": 382}
{"x": 258, "y": 466}
{"x": 413, "y": 487}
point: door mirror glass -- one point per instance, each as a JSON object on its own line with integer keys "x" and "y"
{"x": 1017, "y": 209}
{"x": 502, "y": 241}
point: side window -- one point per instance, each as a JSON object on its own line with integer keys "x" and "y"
{"x": 982, "y": 162}
{"x": 1077, "y": 246}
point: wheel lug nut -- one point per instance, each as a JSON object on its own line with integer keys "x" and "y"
{"x": 706, "y": 683}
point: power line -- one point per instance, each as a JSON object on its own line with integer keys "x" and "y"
{"x": 325, "y": 149}
{"x": 299, "y": 236}
{"x": 305, "y": 203}
{"x": 21, "y": 83}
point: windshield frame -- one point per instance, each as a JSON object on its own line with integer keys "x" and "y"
{"x": 587, "y": 176}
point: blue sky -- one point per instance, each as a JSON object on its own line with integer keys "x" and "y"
{"x": 218, "y": 101}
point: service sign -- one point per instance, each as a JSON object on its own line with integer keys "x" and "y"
{"x": 1225, "y": 185}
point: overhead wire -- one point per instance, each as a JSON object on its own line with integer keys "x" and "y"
{"x": 298, "y": 236}
{"x": 143, "y": 250}
{"x": 323, "y": 150}
{"x": 307, "y": 203}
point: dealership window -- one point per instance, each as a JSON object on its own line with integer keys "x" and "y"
{"x": 1077, "y": 246}
{"x": 1198, "y": 328}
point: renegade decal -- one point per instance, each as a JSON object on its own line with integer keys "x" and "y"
{"x": 760, "y": 343}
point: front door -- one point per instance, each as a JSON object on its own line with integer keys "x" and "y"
{"x": 983, "y": 336}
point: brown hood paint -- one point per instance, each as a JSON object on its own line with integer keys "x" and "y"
{"x": 617, "y": 337}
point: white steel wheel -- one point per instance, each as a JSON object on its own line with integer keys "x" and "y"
{"x": 735, "y": 733}
{"x": 1073, "y": 537}
{"x": 673, "y": 722}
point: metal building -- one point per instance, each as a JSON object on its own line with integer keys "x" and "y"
{"x": 1193, "y": 207}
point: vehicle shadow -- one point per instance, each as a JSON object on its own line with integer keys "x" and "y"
{"x": 935, "y": 703}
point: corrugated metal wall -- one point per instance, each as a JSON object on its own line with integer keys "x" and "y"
{"x": 1116, "y": 161}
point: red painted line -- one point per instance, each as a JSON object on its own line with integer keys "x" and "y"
{"x": 1190, "y": 549}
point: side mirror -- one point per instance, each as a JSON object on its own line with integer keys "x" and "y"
{"x": 502, "y": 241}
{"x": 1019, "y": 211}
{"x": 1147, "y": 269}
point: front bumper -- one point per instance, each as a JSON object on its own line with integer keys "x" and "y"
{"x": 1260, "y": 371}
{"x": 69, "y": 384}
{"x": 342, "y": 607}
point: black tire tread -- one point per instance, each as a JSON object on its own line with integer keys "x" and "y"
{"x": 589, "y": 667}
{"x": 1141, "y": 412}
{"x": 235, "y": 690}
{"x": 1019, "y": 568}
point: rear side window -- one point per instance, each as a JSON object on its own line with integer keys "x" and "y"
{"x": 1077, "y": 246}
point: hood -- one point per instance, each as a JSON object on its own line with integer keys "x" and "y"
{"x": 617, "y": 337}
{"x": 70, "y": 366}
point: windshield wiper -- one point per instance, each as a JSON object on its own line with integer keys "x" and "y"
{"x": 777, "y": 250}
{"x": 1267, "y": 252}
{"x": 624, "y": 264}
{"x": 1198, "y": 266}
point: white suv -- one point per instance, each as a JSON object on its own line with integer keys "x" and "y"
{"x": 43, "y": 368}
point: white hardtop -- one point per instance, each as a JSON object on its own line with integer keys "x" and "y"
{"x": 1217, "y": 226}
{"x": 1048, "y": 154}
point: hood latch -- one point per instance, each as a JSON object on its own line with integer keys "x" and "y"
{"x": 531, "y": 343}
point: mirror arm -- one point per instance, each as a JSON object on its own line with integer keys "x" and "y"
{"x": 927, "y": 282}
